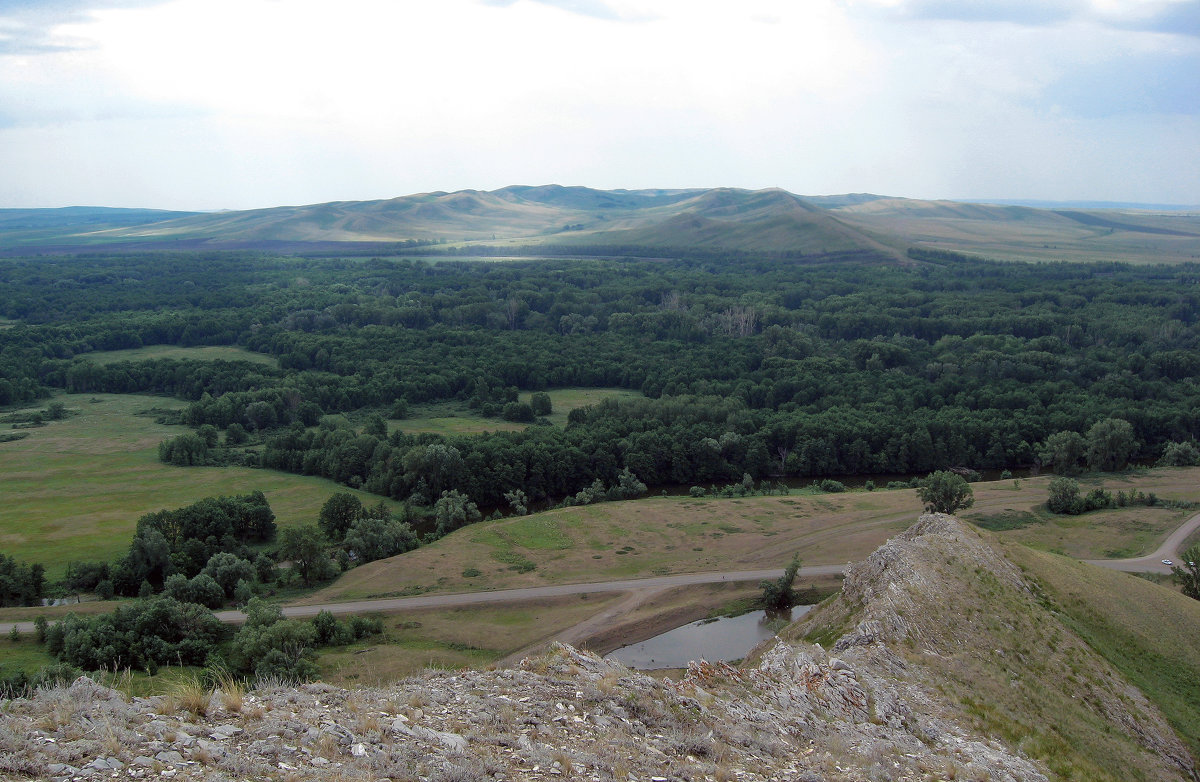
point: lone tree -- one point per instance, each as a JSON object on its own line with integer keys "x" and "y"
{"x": 1187, "y": 573}
{"x": 780, "y": 594}
{"x": 1064, "y": 496}
{"x": 945, "y": 492}
{"x": 338, "y": 513}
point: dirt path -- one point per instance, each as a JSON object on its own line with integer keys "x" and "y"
{"x": 593, "y": 624}
{"x": 1152, "y": 563}
{"x": 639, "y": 589}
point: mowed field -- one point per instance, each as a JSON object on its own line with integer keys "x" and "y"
{"x": 74, "y": 490}
{"x": 451, "y": 419}
{"x": 666, "y": 535}
{"x": 202, "y": 353}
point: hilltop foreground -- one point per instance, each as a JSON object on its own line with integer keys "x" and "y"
{"x": 945, "y": 661}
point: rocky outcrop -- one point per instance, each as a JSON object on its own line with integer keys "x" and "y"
{"x": 882, "y": 703}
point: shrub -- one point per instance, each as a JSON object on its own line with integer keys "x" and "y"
{"x": 1180, "y": 455}
{"x": 1064, "y": 496}
{"x": 945, "y": 492}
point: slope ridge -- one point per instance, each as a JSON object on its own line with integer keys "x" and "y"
{"x": 946, "y": 611}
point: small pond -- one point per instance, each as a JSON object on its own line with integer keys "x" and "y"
{"x": 727, "y": 638}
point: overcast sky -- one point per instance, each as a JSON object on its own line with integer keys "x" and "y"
{"x": 209, "y": 104}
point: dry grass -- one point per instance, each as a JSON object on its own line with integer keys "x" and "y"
{"x": 201, "y": 353}
{"x": 190, "y": 694}
{"x": 232, "y": 690}
{"x": 473, "y": 636}
{"x": 660, "y": 535}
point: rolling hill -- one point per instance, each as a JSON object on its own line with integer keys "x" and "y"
{"x": 561, "y": 218}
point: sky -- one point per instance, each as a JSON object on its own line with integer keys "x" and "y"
{"x": 236, "y": 104}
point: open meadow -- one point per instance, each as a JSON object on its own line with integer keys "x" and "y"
{"x": 197, "y": 353}
{"x": 451, "y": 418}
{"x": 74, "y": 489}
{"x": 668, "y": 535}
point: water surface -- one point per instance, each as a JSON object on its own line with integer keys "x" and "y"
{"x": 725, "y": 639}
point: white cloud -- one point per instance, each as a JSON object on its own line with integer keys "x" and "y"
{"x": 236, "y": 103}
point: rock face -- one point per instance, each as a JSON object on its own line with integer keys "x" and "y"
{"x": 876, "y": 707}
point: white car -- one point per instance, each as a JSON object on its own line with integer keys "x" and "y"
{"x": 1167, "y": 562}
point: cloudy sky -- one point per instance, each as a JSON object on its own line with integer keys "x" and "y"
{"x": 209, "y": 104}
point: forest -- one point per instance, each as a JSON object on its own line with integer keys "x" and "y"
{"x": 760, "y": 365}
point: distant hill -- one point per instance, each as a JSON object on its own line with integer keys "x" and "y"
{"x": 714, "y": 219}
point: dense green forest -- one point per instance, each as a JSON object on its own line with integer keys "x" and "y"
{"x": 770, "y": 366}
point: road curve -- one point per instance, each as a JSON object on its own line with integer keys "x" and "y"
{"x": 395, "y": 604}
{"x": 1152, "y": 563}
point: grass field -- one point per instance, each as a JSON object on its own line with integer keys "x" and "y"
{"x": 564, "y": 400}
{"x": 450, "y": 418}
{"x": 1146, "y": 632}
{"x": 662, "y": 535}
{"x": 74, "y": 490}
{"x": 473, "y": 636}
{"x": 204, "y": 353}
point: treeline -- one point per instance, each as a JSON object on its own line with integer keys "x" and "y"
{"x": 790, "y": 369}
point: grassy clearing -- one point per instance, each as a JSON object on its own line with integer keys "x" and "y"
{"x": 449, "y": 419}
{"x": 564, "y": 400}
{"x": 25, "y": 655}
{"x": 74, "y": 490}
{"x": 1146, "y": 632}
{"x": 454, "y": 638}
{"x": 203, "y": 353}
{"x": 453, "y": 418}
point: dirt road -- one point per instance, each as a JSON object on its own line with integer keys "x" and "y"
{"x": 1152, "y": 563}
{"x": 1149, "y": 563}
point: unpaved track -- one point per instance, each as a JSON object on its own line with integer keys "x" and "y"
{"x": 1152, "y": 563}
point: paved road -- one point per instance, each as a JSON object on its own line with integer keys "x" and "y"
{"x": 1152, "y": 563}
{"x": 1149, "y": 563}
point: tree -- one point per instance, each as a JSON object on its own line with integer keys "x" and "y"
{"x": 306, "y": 548}
{"x": 540, "y": 402}
{"x": 780, "y": 594}
{"x": 227, "y": 570}
{"x": 376, "y": 427}
{"x": 454, "y": 510}
{"x": 373, "y": 538}
{"x": 338, "y": 513}
{"x": 1180, "y": 455}
{"x": 1064, "y": 496}
{"x": 1064, "y": 450}
{"x": 945, "y": 492}
{"x": 235, "y": 434}
{"x": 518, "y": 501}
{"x": 1110, "y": 443}
{"x": 1187, "y": 573}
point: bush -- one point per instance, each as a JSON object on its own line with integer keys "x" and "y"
{"x": 1064, "y": 496}
{"x": 830, "y": 486}
{"x": 780, "y": 594}
{"x": 945, "y": 492}
{"x": 696, "y": 491}
{"x": 1180, "y": 455}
